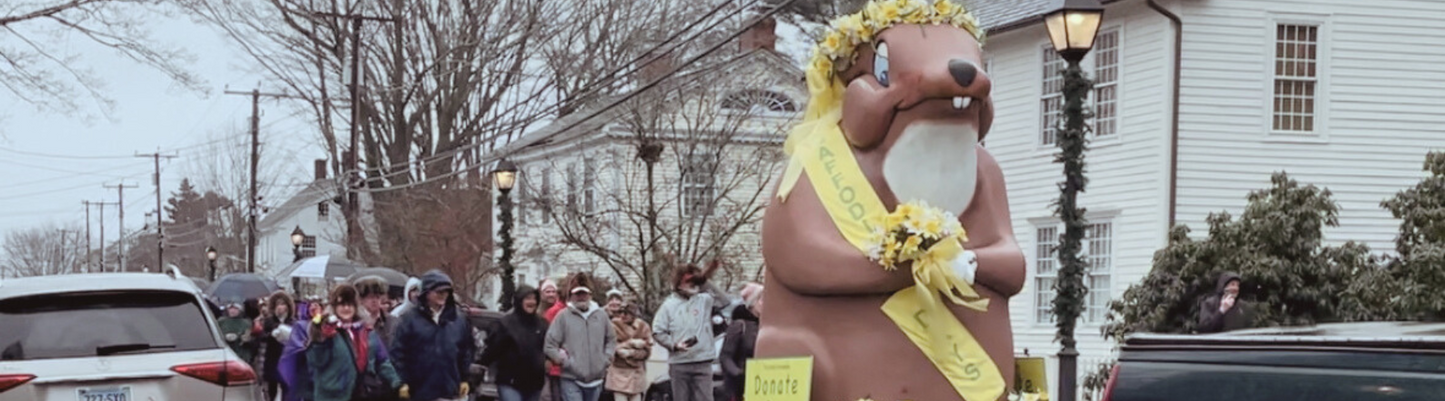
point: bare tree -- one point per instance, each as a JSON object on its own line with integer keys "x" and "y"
{"x": 42, "y": 251}
{"x": 36, "y": 66}
{"x": 686, "y": 182}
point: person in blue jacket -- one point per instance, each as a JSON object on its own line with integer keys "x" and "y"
{"x": 433, "y": 346}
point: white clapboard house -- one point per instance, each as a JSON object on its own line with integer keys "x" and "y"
{"x": 1197, "y": 103}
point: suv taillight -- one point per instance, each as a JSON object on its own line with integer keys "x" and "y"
{"x": 8, "y": 382}
{"x": 1109, "y": 385}
{"x": 228, "y": 373}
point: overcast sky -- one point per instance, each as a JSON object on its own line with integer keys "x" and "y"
{"x": 150, "y": 112}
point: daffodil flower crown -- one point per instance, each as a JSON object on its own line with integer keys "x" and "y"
{"x": 839, "y": 47}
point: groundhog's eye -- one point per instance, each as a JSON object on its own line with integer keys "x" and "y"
{"x": 880, "y": 64}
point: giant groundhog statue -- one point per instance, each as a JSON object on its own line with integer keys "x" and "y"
{"x": 902, "y": 83}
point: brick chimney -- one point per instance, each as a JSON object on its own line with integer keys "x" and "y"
{"x": 320, "y": 169}
{"x": 657, "y": 68}
{"x": 761, "y": 36}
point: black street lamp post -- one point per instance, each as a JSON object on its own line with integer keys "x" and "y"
{"x": 211, "y": 256}
{"x": 297, "y": 237}
{"x": 505, "y": 177}
{"x": 1072, "y": 29}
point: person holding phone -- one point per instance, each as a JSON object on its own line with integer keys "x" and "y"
{"x": 1223, "y": 311}
{"x": 683, "y": 325}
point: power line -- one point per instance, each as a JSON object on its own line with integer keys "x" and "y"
{"x": 487, "y": 159}
{"x": 53, "y": 156}
{"x": 652, "y": 55}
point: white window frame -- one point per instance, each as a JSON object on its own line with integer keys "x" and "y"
{"x": 760, "y": 102}
{"x": 1100, "y": 85}
{"x": 589, "y": 185}
{"x": 1321, "y": 79}
{"x": 308, "y": 246}
{"x": 1090, "y": 64}
{"x": 573, "y": 189}
{"x": 545, "y": 196}
{"x": 1047, "y": 134}
{"x": 520, "y": 198}
{"x": 1097, "y": 302}
{"x": 699, "y": 189}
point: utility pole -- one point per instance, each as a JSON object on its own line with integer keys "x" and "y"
{"x": 120, "y": 205}
{"x": 86, "y": 269}
{"x": 160, "y": 227}
{"x": 353, "y": 179}
{"x": 60, "y": 253}
{"x": 255, "y": 161}
{"x": 102, "y": 206}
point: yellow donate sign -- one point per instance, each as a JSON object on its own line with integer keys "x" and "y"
{"x": 780, "y": 379}
{"x": 1031, "y": 377}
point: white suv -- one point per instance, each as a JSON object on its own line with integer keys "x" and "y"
{"x": 114, "y": 337}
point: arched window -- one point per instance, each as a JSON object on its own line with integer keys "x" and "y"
{"x": 754, "y": 100}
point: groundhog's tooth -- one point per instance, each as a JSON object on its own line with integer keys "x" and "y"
{"x": 960, "y": 102}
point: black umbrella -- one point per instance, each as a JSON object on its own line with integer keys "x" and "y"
{"x": 239, "y": 287}
{"x": 395, "y": 280}
{"x": 392, "y": 277}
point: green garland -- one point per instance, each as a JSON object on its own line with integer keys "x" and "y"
{"x": 509, "y": 282}
{"x": 1069, "y": 288}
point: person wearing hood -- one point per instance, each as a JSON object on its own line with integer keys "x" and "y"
{"x": 413, "y": 292}
{"x": 433, "y": 345}
{"x": 346, "y": 359}
{"x": 275, "y": 330}
{"x": 742, "y": 336}
{"x": 582, "y": 342}
{"x": 236, "y": 329}
{"x": 1222, "y": 310}
{"x": 515, "y": 347}
{"x": 627, "y": 377}
{"x": 683, "y": 326}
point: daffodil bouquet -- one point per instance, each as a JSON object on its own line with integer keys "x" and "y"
{"x": 910, "y": 232}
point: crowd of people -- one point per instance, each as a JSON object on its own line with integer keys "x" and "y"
{"x": 559, "y": 345}
{"x": 556, "y": 343}
{"x": 358, "y": 343}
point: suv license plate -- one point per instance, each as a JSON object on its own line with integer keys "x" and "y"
{"x": 104, "y": 394}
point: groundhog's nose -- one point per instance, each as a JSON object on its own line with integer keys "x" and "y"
{"x": 963, "y": 72}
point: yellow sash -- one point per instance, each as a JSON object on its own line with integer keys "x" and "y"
{"x": 819, "y": 147}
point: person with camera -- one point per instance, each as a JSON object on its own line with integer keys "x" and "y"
{"x": 684, "y": 327}
{"x": 346, "y": 359}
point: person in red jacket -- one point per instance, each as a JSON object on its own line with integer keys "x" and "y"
{"x": 554, "y": 372}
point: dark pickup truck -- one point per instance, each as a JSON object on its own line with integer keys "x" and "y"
{"x": 1345, "y": 362}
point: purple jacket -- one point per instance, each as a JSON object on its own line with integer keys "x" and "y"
{"x": 293, "y": 363}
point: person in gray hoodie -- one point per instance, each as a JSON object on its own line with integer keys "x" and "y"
{"x": 683, "y": 326}
{"x": 582, "y": 342}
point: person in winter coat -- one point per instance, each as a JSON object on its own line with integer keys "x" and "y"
{"x": 275, "y": 330}
{"x": 1222, "y": 311}
{"x": 344, "y": 351}
{"x": 738, "y": 344}
{"x": 236, "y": 330}
{"x": 293, "y": 369}
{"x": 683, "y": 326}
{"x": 413, "y": 292}
{"x": 581, "y": 341}
{"x": 515, "y": 347}
{"x": 627, "y": 377}
{"x": 373, "y": 294}
{"x": 433, "y": 347}
{"x": 549, "y": 309}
